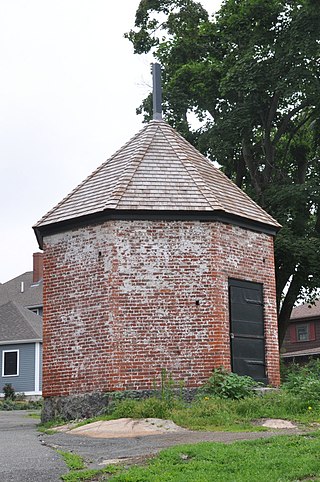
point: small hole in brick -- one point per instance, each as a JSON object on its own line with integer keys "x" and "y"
{"x": 197, "y": 302}
{"x": 100, "y": 254}
{"x": 264, "y": 260}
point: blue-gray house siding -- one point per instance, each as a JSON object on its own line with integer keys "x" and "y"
{"x": 40, "y": 374}
{"x": 25, "y": 381}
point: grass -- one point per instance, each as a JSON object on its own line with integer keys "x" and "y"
{"x": 9, "y": 405}
{"x": 282, "y": 458}
{"x": 34, "y": 415}
{"x": 212, "y": 413}
{"x": 48, "y": 427}
{"x": 90, "y": 474}
{"x": 78, "y": 470}
{"x": 73, "y": 461}
{"x": 234, "y": 415}
{"x": 278, "y": 459}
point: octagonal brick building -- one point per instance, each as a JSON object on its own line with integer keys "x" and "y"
{"x": 156, "y": 261}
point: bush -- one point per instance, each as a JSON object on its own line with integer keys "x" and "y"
{"x": 9, "y": 392}
{"x": 223, "y": 384}
{"x": 149, "y": 408}
{"x": 20, "y": 397}
{"x": 7, "y": 405}
{"x": 304, "y": 381}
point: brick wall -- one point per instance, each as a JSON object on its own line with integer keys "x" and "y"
{"x": 124, "y": 299}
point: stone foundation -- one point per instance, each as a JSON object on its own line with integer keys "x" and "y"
{"x": 74, "y": 407}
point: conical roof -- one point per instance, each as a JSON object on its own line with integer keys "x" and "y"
{"x": 157, "y": 170}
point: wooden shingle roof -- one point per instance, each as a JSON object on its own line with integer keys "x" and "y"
{"x": 307, "y": 310}
{"x": 157, "y": 170}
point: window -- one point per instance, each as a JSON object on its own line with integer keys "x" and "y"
{"x": 37, "y": 310}
{"x": 10, "y": 363}
{"x": 300, "y": 332}
{"x": 303, "y": 333}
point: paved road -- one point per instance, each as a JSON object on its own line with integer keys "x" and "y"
{"x": 23, "y": 458}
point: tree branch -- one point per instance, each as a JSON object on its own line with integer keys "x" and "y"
{"x": 285, "y": 122}
{"x": 287, "y": 306}
{"x": 272, "y": 112}
{"x": 249, "y": 161}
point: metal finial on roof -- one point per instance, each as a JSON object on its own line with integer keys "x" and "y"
{"x": 157, "y": 93}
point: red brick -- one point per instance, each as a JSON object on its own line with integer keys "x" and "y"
{"x": 114, "y": 321}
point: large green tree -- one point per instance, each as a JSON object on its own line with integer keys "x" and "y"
{"x": 251, "y": 75}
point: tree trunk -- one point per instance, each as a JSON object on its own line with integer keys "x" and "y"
{"x": 286, "y": 308}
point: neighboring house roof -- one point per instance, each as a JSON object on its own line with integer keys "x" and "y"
{"x": 18, "y": 323}
{"x": 298, "y": 353}
{"x": 157, "y": 170}
{"x": 307, "y": 310}
{"x": 22, "y": 290}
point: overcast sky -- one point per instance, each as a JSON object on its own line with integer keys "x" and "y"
{"x": 69, "y": 87}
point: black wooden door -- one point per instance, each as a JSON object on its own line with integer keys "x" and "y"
{"x": 246, "y": 329}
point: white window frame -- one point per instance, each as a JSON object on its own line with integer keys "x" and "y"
{"x": 18, "y": 364}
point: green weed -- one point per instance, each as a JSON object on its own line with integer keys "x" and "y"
{"x": 267, "y": 460}
{"x": 224, "y": 384}
{"x": 90, "y": 474}
{"x": 73, "y": 461}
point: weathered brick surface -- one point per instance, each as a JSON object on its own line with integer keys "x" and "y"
{"x": 124, "y": 299}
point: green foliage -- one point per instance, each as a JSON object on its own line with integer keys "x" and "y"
{"x": 304, "y": 382}
{"x": 91, "y": 474}
{"x": 9, "y": 404}
{"x": 212, "y": 413}
{"x": 73, "y": 461}
{"x": 167, "y": 387}
{"x": 9, "y": 392}
{"x": 270, "y": 460}
{"x": 251, "y": 76}
{"x": 166, "y": 396}
{"x": 149, "y": 408}
{"x": 20, "y": 397}
{"x": 224, "y": 384}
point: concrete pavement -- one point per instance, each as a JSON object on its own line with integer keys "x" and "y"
{"x": 23, "y": 458}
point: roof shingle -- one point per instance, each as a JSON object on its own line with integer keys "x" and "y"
{"x": 307, "y": 310}
{"x": 29, "y": 296}
{"x": 157, "y": 170}
{"x": 18, "y": 323}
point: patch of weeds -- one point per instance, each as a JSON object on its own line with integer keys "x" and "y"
{"x": 47, "y": 427}
{"x": 279, "y": 404}
{"x": 9, "y": 392}
{"x": 224, "y": 384}
{"x": 212, "y": 413}
{"x": 148, "y": 408}
{"x": 167, "y": 388}
{"x": 34, "y": 415}
{"x": 73, "y": 461}
{"x": 91, "y": 474}
{"x": 9, "y": 404}
{"x": 266, "y": 460}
